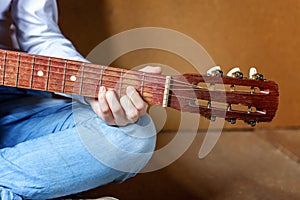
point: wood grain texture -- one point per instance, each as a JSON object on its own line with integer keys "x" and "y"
{"x": 265, "y": 101}
{"x": 235, "y": 33}
{"x": 71, "y": 77}
{"x": 78, "y": 78}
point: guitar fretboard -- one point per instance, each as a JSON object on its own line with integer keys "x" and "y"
{"x": 71, "y": 77}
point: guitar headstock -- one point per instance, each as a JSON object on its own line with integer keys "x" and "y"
{"x": 232, "y": 97}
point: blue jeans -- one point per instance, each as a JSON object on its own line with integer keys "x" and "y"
{"x": 55, "y": 147}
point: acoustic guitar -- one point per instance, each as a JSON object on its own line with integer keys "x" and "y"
{"x": 234, "y": 97}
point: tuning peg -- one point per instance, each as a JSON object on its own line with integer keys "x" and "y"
{"x": 213, "y": 118}
{"x": 229, "y": 107}
{"x": 215, "y": 71}
{"x": 251, "y": 123}
{"x": 235, "y": 72}
{"x": 209, "y": 105}
{"x": 231, "y": 120}
{"x": 254, "y": 75}
{"x": 211, "y": 70}
{"x": 249, "y": 109}
{"x": 252, "y": 72}
{"x": 259, "y": 77}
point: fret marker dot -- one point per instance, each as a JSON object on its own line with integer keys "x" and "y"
{"x": 40, "y": 73}
{"x": 73, "y": 78}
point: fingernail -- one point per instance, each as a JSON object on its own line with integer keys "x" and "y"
{"x": 102, "y": 89}
{"x": 130, "y": 90}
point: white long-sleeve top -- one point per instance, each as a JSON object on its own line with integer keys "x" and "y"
{"x": 31, "y": 26}
{"x": 36, "y": 30}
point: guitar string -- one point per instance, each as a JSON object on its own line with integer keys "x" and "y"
{"x": 51, "y": 80}
{"x": 145, "y": 96}
{"x": 99, "y": 67}
{"x": 179, "y": 97}
{"x": 198, "y": 89}
{"x": 116, "y": 82}
{"x": 127, "y": 81}
{"x": 113, "y": 69}
{"x": 174, "y": 89}
{"x": 113, "y": 82}
{"x": 110, "y": 84}
{"x": 117, "y": 70}
{"x": 79, "y": 64}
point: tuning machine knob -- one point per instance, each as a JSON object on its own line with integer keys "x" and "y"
{"x": 251, "y": 123}
{"x": 235, "y": 73}
{"x": 254, "y": 75}
{"x": 232, "y": 120}
{"x": 215, "y": 71}
{"x": 213, "y": 118}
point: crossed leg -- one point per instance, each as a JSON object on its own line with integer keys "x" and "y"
{"x": 51, "y": 148}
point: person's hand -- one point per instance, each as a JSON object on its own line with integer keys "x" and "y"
{"x": 121, "y": 111}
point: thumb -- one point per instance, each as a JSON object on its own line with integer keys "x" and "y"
{"x": 151, "y": 69}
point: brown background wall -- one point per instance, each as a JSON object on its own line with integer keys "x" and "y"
{"x": 257, "y": 33}
{"x": 260, "y": 164}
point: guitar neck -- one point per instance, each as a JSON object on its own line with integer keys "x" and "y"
{"x": 252, "y": 100}
{"x": 43, "y": 73}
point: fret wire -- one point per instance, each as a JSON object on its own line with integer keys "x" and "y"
{"x": 47, "y": 82}
{"x": 134, "y": 72}
{"x": 95, "y": 85}
{"x": 112, "y": 82}
{"x": 82, "y": 77}
{"x": 32, "y": 70}
{"x": 121, "y": 80}
{"x": 4, "y": 65}
{"x": 5, "y": 60}
{"x": 92, "y": 85}
{"x": 131, "y": 72}
{"x": 18, "y": 70}
{"x": 108, "y": 82}
{"x": 64, "y": 77}
{"x": 113, "y": 69}
{"x": 67, "y": 74}
{"x": 183, "y": 97}
{"x": 101, "y": 74}
{"x": 142, "y": 85}
{"x": 157, "y": 84}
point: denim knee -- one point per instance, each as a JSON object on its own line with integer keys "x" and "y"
{"x": 84, "y": 156}
{"x": 6, "y": 194}
{"x": 137, "y": 146}
{"x": 126, "y": 149}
